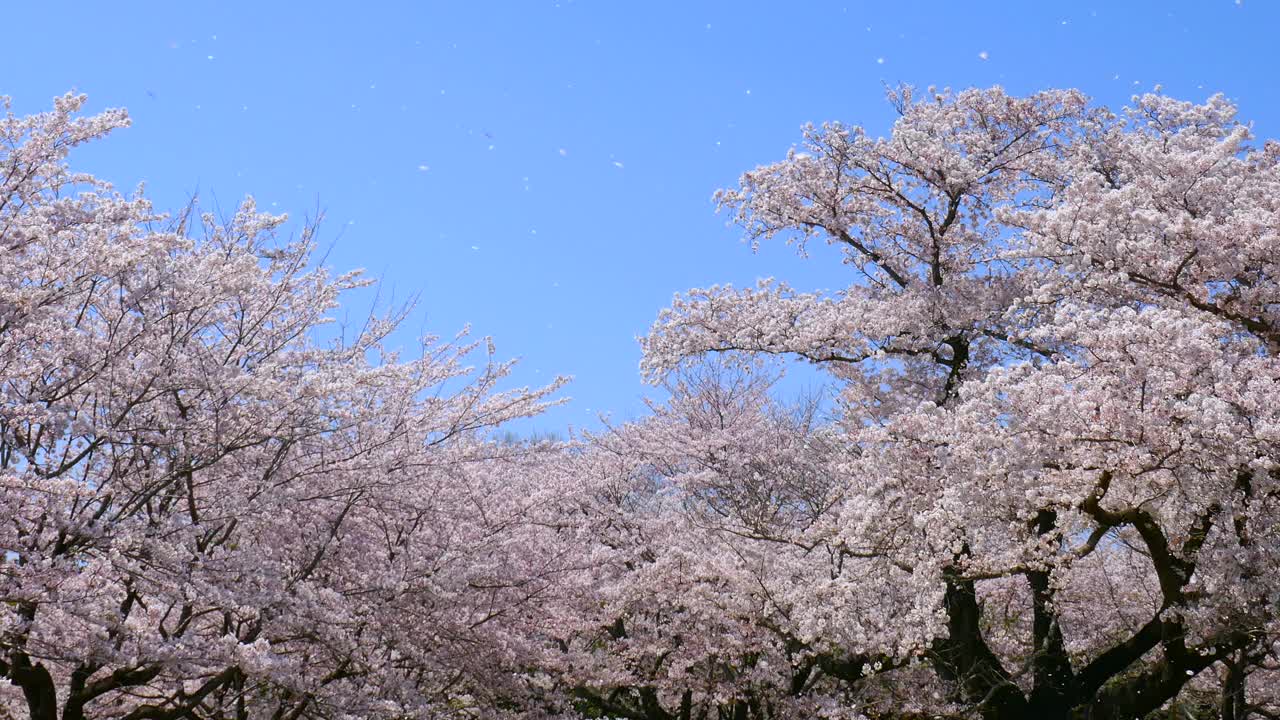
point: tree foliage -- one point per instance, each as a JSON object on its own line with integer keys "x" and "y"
{"x": 1050, "y": 489}
{"x": 205, "y": 512}
{"x": 1046, "y": 485}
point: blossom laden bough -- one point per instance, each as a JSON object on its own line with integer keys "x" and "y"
{"x": 1054, "y": 486}
{"x": 205, "y": 512}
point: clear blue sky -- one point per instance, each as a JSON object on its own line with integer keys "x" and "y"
{"x": 543, "y": 169}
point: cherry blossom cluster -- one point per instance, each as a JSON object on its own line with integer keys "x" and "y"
{"x": 1055, "y": 489}
{"x": 205, "y": 510}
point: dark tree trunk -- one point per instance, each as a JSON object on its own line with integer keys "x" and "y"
{"x": 37, "y": 688}
{"x": 966, "y": 662}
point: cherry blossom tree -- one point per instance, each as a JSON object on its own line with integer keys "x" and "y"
{"x": 1046, "y": 488}
{"x": 707, "y": 518}
{"x": 208, "y": 512}
{"x": 1049, "y": 489}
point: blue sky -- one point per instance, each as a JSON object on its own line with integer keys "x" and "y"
{"x": 543, "y": 170}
